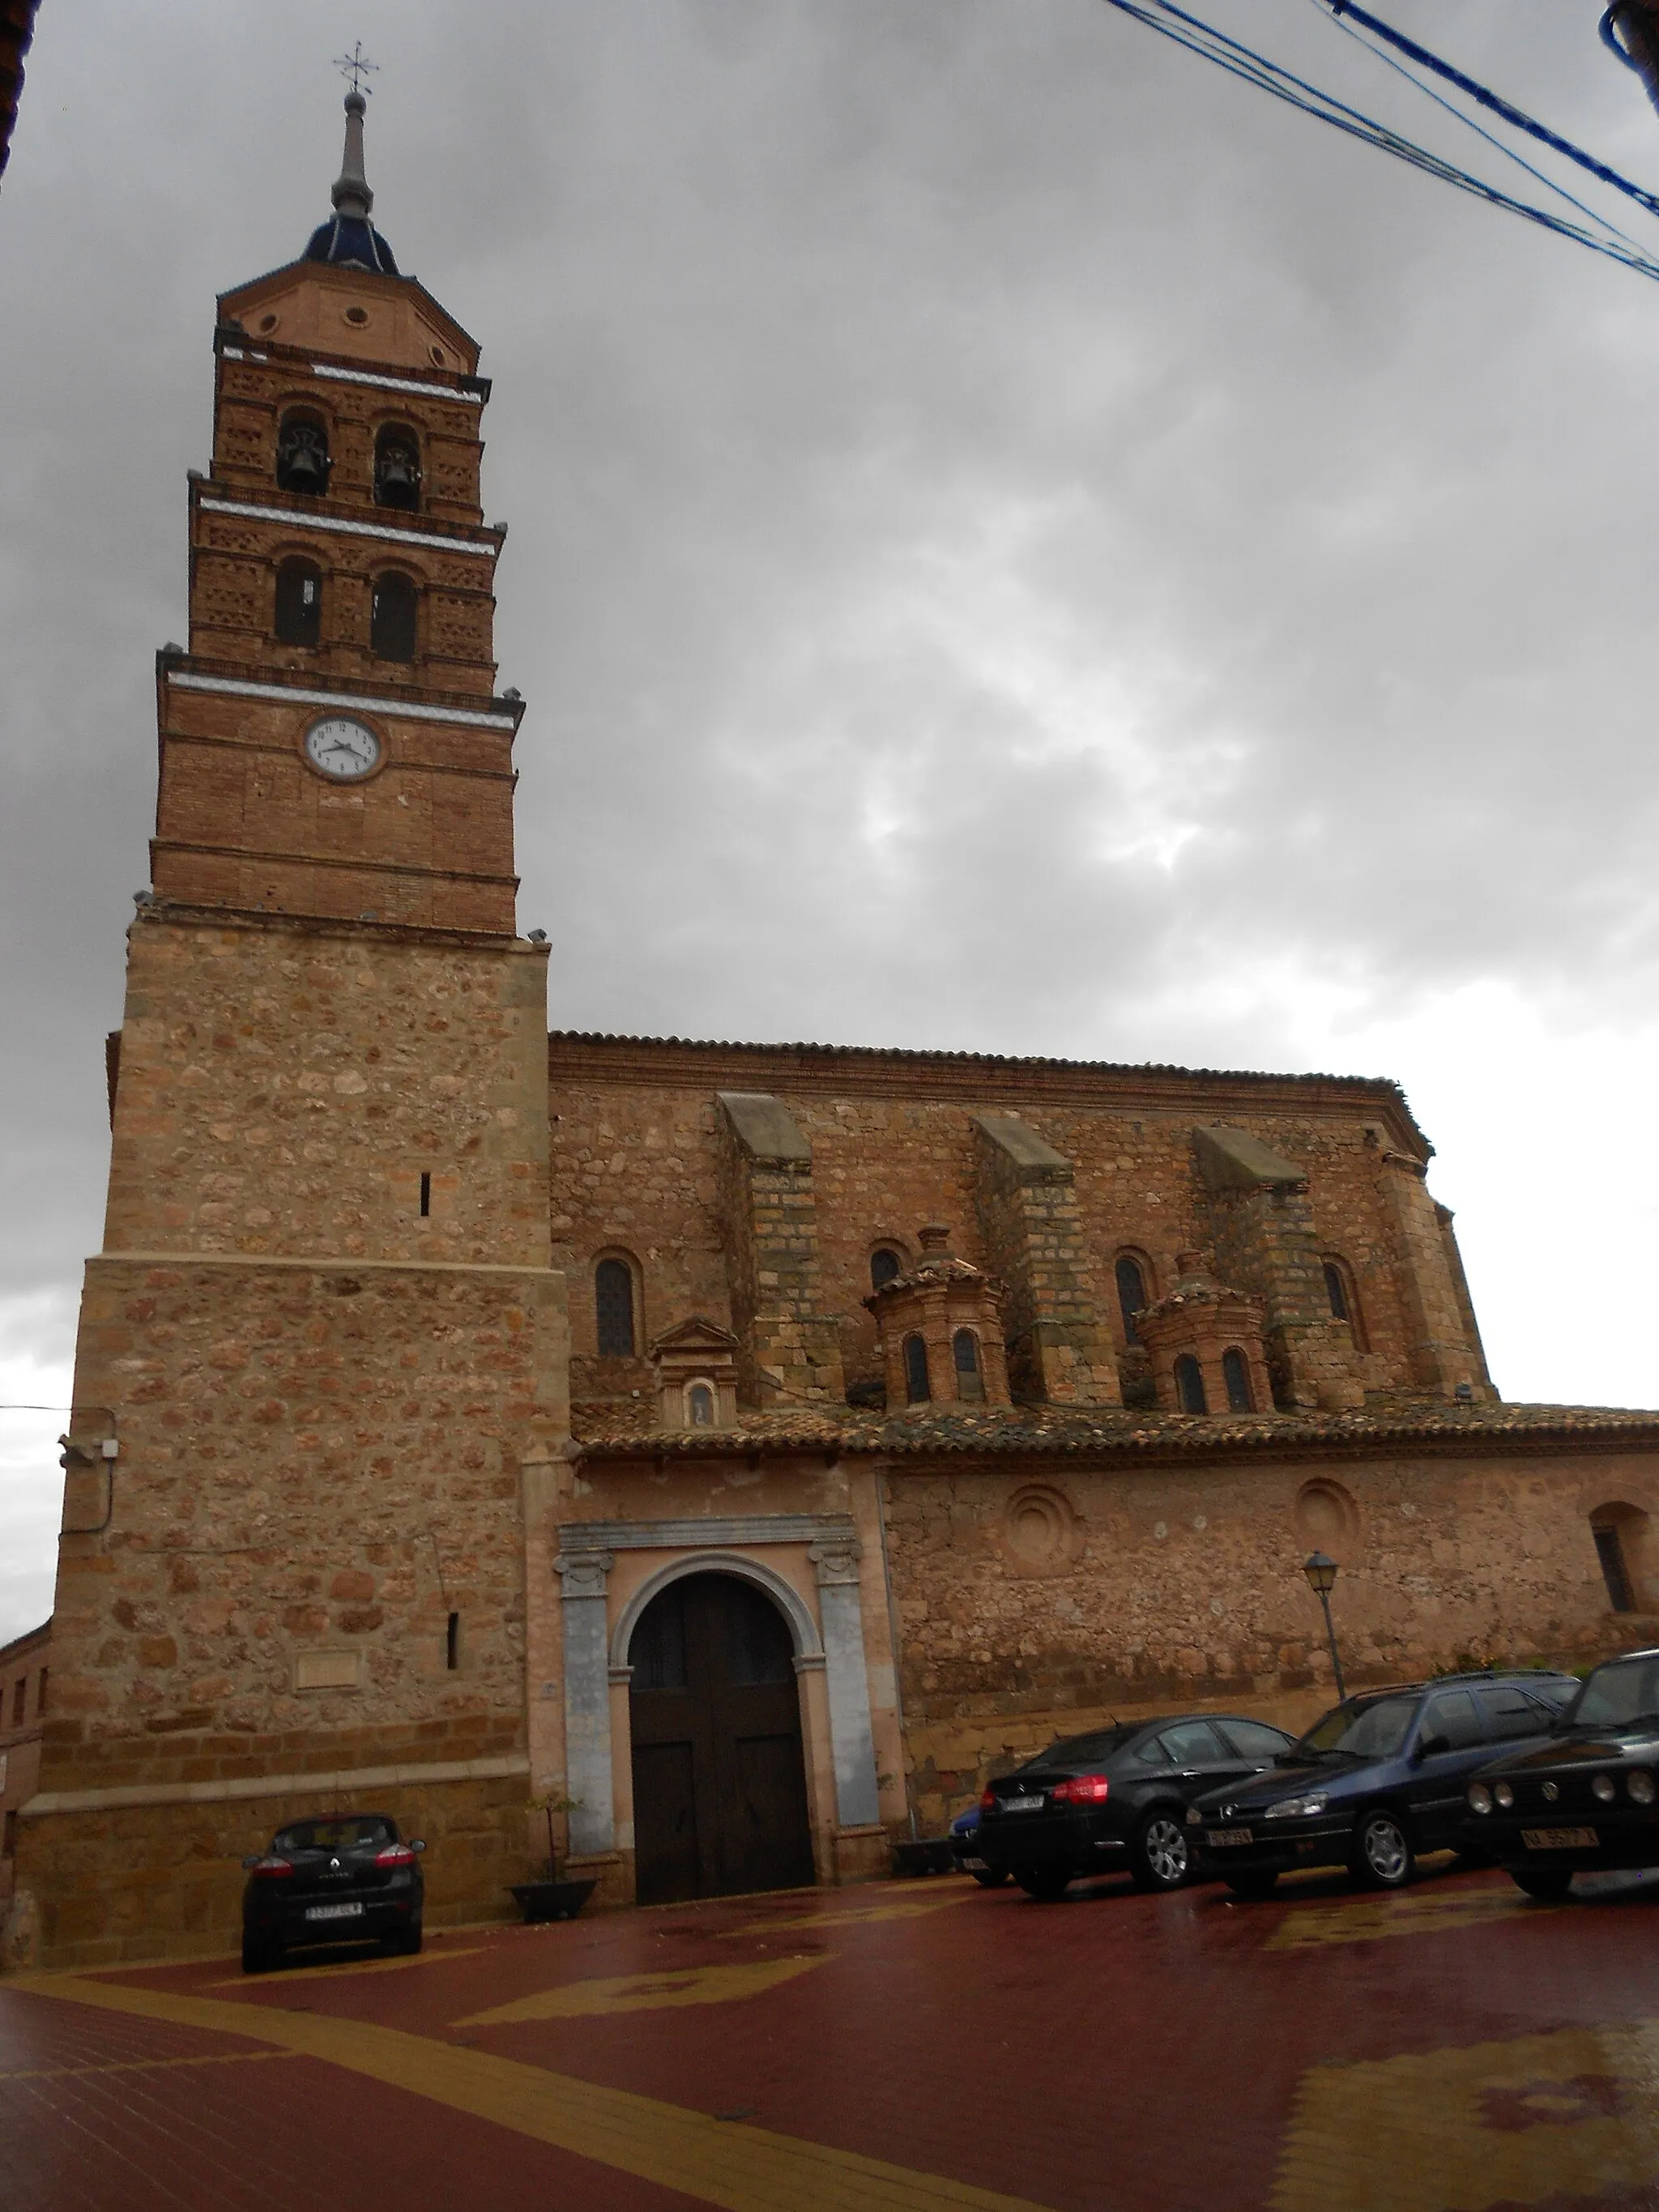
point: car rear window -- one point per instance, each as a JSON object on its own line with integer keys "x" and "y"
{"x": 1079, "y": 1750}
{"x": 1511, "y": 1713}
{"x": 1364, "y": 1728}
{"x": 1624, "y": 1690}
{"x": 1254, "y": 1739}
{"x": 335, "y": 1835}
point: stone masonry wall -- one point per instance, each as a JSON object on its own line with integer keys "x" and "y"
{"x": 1034, "y": 1608}
{"x": 283, "y": 1089}
{"x": 636, "y": 1163}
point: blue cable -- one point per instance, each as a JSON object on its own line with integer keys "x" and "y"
{"x": 1203, "y": 39}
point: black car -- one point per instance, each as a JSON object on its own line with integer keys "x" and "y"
{"x": 1586, "y": 1798}
{"x": 1096, "y": 1804}
{"x": 349, "y": 1880}
{"x": 1378, "y": 1779}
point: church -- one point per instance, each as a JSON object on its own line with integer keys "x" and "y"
{"x": 741, "y": 1450}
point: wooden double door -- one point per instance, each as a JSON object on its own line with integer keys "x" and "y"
{"x": 719, "y": 1787}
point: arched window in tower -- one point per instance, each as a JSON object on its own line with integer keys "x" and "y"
{"x": 299, "y": 603}
{"x": 392, "y": 618}
{"x": 1131, "y": 1292}
{"x": 1189, "y": 1385}
{"x": 302, "y": 456}
{"x": 1235, "y": 1373}
{"x": 916, "y": 1387}
{"x": 965, "y": 1351}
{"x": 397, "y": 467}
{"x": 1336, "y": 1291}
{"x": 885, "y": 1265}
{"x": 613, "y": 1307}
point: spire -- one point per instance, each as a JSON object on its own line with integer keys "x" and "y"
{"x": 350, "y": 241}
{"x": 352, "y": 197}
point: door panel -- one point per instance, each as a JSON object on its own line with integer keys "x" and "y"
{"x": 714, "y": 1685}
{"x": 1436, "y": 1790}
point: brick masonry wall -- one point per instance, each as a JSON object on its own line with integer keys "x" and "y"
{"x": 1034, "y": 1608}
{"x": 634, "y": 1162}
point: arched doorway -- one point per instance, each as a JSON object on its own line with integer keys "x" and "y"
{"x": 720, "y": 1788}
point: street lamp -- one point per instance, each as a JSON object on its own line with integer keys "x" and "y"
{"x": 1321, "y": 1571}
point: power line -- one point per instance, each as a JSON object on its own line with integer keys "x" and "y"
{"x": 1241, "y": 61}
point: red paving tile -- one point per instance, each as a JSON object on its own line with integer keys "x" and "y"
{"x": 1113, "y": 2051}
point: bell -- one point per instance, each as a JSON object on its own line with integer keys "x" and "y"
{"x": 398, "y": 477}
{"x": 302, "y": 459}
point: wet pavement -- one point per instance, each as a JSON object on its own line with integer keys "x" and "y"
{"x": 924, "y": 2045}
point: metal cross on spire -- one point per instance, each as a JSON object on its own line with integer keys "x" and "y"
{"x": 357, "y": 65}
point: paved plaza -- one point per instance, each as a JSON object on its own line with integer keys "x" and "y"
{"x": 922, "y": 2044}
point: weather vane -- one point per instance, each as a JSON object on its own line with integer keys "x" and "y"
{"x": 357, "y": 65}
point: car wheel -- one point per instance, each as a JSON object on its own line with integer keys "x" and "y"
{"x": 1157, "y": 1851}
{"x": 1551, "y": 1883}
{"x": 990, "y": 1877}
{"x": 1046, "y": 1884}
{"x": 1252, "y": 1882}
{"x": 257, "y": 1957}
{"x": 1382, "y": 1855}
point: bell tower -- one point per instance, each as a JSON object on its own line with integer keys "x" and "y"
{"x": 322, "y": 1342}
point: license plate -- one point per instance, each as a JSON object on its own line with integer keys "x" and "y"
{"x": 1023, "y": 1804}
{"x": 1225, "y": 1836}
{"x": 976, "y": 1865}
{"x": 1559, "y": 1839}
{"x": 333, "y": 1911}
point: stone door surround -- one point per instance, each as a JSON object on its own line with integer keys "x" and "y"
{"x": 595, "y": 1658}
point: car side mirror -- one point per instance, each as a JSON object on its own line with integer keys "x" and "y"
{"x": 1432, "y": 1746}
{"x": 418, "y": 1844}
{"x": 247, "y": 1863}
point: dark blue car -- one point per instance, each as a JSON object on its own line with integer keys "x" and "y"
{"x": 965, "y": 1850}
{"x": 1379, "y": 1779}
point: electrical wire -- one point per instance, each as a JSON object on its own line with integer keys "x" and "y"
{"x": 1342, "y": 16}
{"x": 1241, "y": 61}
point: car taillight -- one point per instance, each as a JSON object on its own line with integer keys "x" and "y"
{"x": 272, "y": 1869}
{"x": 988, "y": 1802}
{"x": 1081, "y": 1789}
{"x": 395, "y": 1855}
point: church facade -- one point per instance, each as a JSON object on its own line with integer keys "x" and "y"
{"x": 745, "y": 1448}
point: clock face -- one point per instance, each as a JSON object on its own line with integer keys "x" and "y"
{"x": 341, "y": 748}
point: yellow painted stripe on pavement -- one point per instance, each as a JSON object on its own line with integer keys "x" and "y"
{"x": 318, "y": 1973}
{"x": 739, "y": 2167}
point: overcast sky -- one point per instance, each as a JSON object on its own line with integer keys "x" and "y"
{"x": 1019, "y": 541}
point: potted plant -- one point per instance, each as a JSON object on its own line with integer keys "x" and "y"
{"x": 551, "y": 1898}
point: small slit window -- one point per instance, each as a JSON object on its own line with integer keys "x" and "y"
{"x": 392, "y": 618}
{"x": 1235, "y": 1373}
{"x": 700, "y": 1404}
{"x": 1131, "y": 1293}
{"x": 397, "y": 467}
{"x": 453, "y": 1643}
{"x": 1189, "y": 1385}
{"x": 916, "y": 1388}
{"x": 302, "y": 455}
{"x": 1337, "y": 1292}
{"x": 426, "y": 1193}
{"x": 885, "y": 1265}
{"x": 299, "y": 604}
{"x": 613, "y": 1304}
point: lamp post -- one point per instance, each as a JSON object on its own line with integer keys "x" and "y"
{"x": 1321, "y": 1571}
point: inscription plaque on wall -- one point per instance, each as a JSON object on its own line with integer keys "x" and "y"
{"x": 326, "y": 1670}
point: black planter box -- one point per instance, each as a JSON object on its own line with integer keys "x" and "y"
{"x": 931, "y": 1855}
{"x": 551, "y": 1900}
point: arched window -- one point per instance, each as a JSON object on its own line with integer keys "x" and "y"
{"x": 700, "y": 1404}
{"x": 613, "y": 1307}
{"x": 916, "y": 1389}
{"x": 392, "y": 618}
{"x": 1131, "y": 1292}
{"x": 299, "y": 603}
{"x": 965, "y": 1351}
{"x": 302, "y": 457}
{"x": 397, "y": 467}
{"x": 1620, "y": 1535}
{"x": 1189, "y": 1385}
{"x": 1344, "y": 1300}
{"x": 1235, "y": 1373}
{"x": 883, "y": 1266}
{"x": 1337, "y": 1292}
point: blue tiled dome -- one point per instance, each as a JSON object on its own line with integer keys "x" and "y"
{"x": 352, "y": 242}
